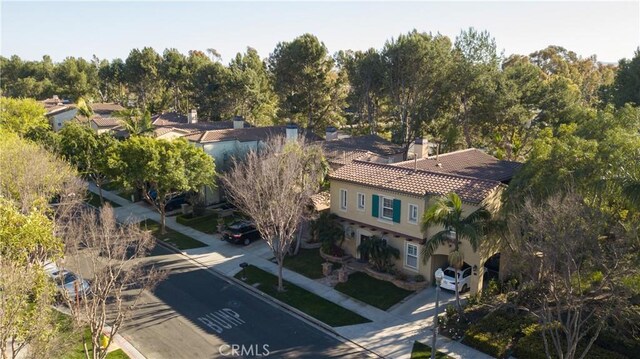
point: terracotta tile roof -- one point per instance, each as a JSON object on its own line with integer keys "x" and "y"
{"x": 321, "y": 201}
{"x": 471, "y": 162}
{"x": 371, "y": 143}
{"x": 419, "y": 183}
{"x": 242, "y": 134}
{"x": 341, "y": 157}
{"x": 106, "y": 121}
{"x": 105, "y": 109}
{"x": 168, "y": 119}
{"x": 159, "y": 131}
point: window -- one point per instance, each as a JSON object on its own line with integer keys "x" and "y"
{"x": 343, "y": 199}
{"x": 361, "y": 201}
{"x": 413, "y": 213}
{"x": 387, "y": 208}
{"x": 411, "y": 258}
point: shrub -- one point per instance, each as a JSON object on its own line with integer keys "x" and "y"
{"x": 419, "y": 278}
{"x": 490, "y": 343}
{"x": 400, "y": 275}
{"x": 531, "y": 346}
{"x": 380, "y": 253}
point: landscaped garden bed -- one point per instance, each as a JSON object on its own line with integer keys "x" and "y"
{"x": 403, "y": 281}
{"x": 375, "y": 292}
{"x": 176, "y": 239}
{"x": 301, "y": 299}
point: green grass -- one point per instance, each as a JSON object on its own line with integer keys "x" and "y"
{"x": 94, "y": 200}
{"x": 422, "y": 351}
{"x": 73, "y": 337}
{"x": 206, "y": 224}
{"x": 308, "y": 263}
{"x": 375, "y": 292}
{"x": 303, "y": 300}
{"x": 176, "y": 238}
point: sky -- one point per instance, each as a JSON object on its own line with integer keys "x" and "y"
{"x": 610, "y": 30}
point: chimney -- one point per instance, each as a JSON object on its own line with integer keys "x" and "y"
{"x": 238, "y": 122}
{"x": 192, "y": 116}
{"x": 292, "y": 132}
{"x": 331, "y": 133}
{"x": 421, "y": 148}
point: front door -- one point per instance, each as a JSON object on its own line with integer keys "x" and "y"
{"x": 364, "y": 257}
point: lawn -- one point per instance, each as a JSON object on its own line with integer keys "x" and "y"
{"x": 422, "y": 351}
{"x": 308, "y": 263}
{"x": 176, "y": 238}
{"x": 305, "y": 301}
{"x": 94, "y": 200}
{"x": 375, "y": 292}
{"x": 205, "y": 224}
{"x": 73, "y": 337}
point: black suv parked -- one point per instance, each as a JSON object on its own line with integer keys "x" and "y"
{"x": 241, "y": 232}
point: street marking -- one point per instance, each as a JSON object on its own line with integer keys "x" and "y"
{"x": 222, "y": 319}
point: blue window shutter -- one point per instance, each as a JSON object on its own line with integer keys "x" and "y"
{"x": 397, "y": 205}
{"x": 375, "y": 205}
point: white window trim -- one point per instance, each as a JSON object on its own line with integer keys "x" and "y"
{"x": 406, "y": 255}
{"x": 382, "y": 216}
{"x": 343, "y": 203}
{"x": 409, "y": 220}
{"x": 364, "y": 200}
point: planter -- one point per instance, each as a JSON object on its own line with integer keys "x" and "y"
{"x": 408, "y": 285}
{"x": 326, "y": 268}
{"x": 331, "y": 258}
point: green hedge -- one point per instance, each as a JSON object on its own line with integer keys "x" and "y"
{"x": 493, "y": 344}
{"x": 186, "y": 219}
{"x": 494, "y": 333}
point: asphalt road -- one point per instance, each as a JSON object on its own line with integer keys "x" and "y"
{"x": 195, "y": 314}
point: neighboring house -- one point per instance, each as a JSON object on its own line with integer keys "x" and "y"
{"x": 59, "y": 111}
{"x": 104, "y": 124}
{"x": 388, "y": 201}
{"x": 225, "y": 144}
{"x": 370, "y": 148}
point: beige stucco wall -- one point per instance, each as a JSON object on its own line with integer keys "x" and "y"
{"x": 428, "y": 268}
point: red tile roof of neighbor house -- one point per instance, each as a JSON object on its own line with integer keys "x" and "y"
{"x": 371, "y": 143}
{"x": 105, "y": 108}
{"x": 471, "y": 162}
{"x": 107, "y": 122}
{"x": 415, "y": 182}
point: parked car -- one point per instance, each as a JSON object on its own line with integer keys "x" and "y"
{"x": 174, "y": 203}
{"x": 69, "y": 282}
{"x": 241, "y": 232}
{"x": 449, "y": 280}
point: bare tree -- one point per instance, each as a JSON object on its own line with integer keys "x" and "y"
{"x": 576, "y": 269}
{"x": 273, "y": 186}
{"x": 109, "y": 254}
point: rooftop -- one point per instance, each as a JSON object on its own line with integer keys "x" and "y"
{"x": 371, "y": 143}
{"x": 418, "y": 182}
{"x": 105, "y": 122}
{"x": 471, "y": 162}
{"x": 241, "y": 134}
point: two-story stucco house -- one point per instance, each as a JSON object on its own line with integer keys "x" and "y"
{"x": 389, "y": 200}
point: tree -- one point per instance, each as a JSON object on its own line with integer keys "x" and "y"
{"x": 76, "y": 78}
{"x": 209, "y": 88}
{"x": 143, "y": 78}
{"x": 22, "y": 116}
{"x": 447, "y": 212}
{"x": 36, "y": 182}
{"x": 307, "y": 85}
{"x": 251, "y": 91}
{"x": 626, "y": 85}
{"x": 112, "y": 81}
{"x": 417, "y": 69}
{"x": 173, "y": 71}
{"x": 110, "y": 253}
{"x": 162, "y": 169}
{"x": 135, "y": 122}
{"x": 571, "y": 257}
{"x": 88, "y": 151}
{"x": 366, "y": 73}
{"x": 273, "y": 187}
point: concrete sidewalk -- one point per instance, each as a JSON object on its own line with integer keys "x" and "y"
{"x": 390, "y": 333}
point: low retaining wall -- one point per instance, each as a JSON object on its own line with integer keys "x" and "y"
{"x": 413, "y": 286}
{"x": 331, "y": 258}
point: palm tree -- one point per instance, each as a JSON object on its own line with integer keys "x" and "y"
{"x": 135, "y": 122}
{"x": 447, "y": 212}
{"x": 84, "y": 109}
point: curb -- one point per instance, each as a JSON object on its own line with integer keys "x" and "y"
{"x": 273, "y": 301}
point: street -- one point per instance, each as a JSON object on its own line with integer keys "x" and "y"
{"x": 195, "y": 314}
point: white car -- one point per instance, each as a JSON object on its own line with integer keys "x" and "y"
{"x": 449, "y": 281}
{"x": 69, "y": 282}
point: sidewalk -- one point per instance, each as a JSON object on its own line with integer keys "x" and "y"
{"x": 390, "y": 333}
